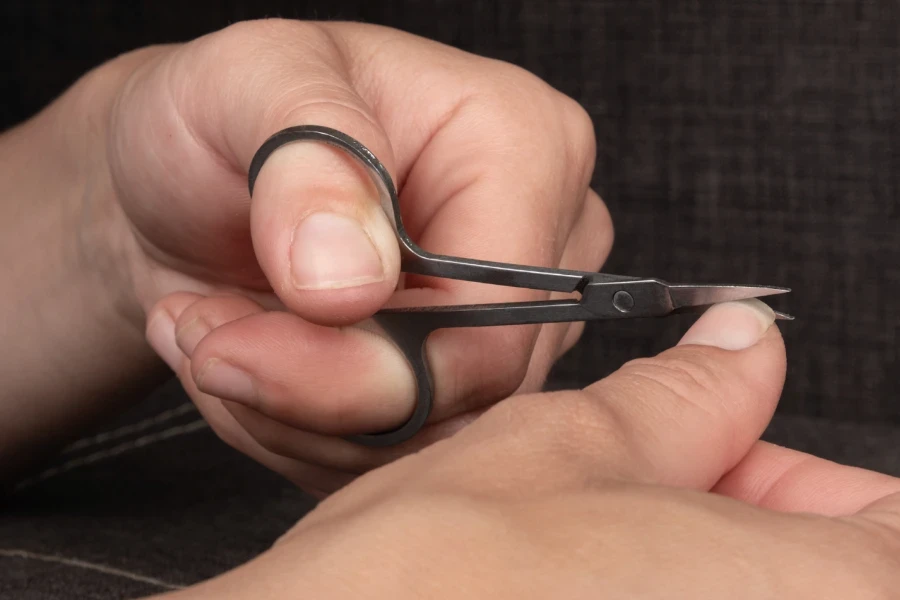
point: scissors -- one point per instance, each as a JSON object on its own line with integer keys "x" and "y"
{"x": 603, "y": 296}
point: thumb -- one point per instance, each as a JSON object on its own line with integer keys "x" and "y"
{"x": 319, "y": 232}
{"x": 682, "y": 418}
{"x": 690, "y": 414}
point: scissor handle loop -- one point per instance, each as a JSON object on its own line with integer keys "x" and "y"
{"x": 387, "y": 192}
{"x": 410, "y": 341}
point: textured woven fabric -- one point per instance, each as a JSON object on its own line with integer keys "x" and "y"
{"x": 737, "y": 142}
{"x": 164, "y": 504}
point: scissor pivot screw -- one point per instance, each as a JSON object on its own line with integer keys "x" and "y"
{"x": 623, "y": 301}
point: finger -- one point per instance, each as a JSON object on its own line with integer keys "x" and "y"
{"x": 189, "y": 314}
{"x": 469, "y": 162}
{"x": 693, "y": 412}
{"x": 486, "y": 364}
{"x": 682, "y": 418}
{"x": 314, "y": 479}
{"x": 495, "y": 168}
{"x": 318, "y": 230}
{"x": 289, "y": 367}
{"x": 573, "y": 335}
{"x": 206, "y": 314}
{"x": 786, "y": 480}
{"x": 189, "y": 317}
{"x": 321, "y": 235}
{"x": 583, "y": 252}
{"x": 475, "y": 367}
{"x": 160, "y": 329}
{"x": 334, "y": 452}
{"x": 323, "y": 379}
{"x": 690, "y": 414}
{"x": 282, "y": 366}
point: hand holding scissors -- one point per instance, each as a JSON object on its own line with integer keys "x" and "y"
{"x": 602, "y": 296}
{"x": 250, "y": 300}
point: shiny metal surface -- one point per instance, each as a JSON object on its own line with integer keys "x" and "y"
{"x": 704, "y": 295}
{"x": 603, "y": 296}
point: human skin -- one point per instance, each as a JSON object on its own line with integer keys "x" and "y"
{"x": 128, "y": 214}
{"x": 651, "y": 483}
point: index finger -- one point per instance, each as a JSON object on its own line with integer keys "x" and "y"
{"x": 787, "y": 480}
{"x": 492, "y": 164}
{"x": 680, "y": 419}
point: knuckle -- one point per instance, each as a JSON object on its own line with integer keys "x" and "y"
{"x": 484, "y": 368}
{"x": 510, "y": 96}
{"x": 685, "y": 378}
{"x": 514, "y": 80}
{"x": 596, "y": 213}
{"x": 518, "y": 101}
{"x": 173, "y": 305}
{"x": 575, "y": 425}
{"x": 676, "y": 373}
{"x": 217, "y": 310}
{"x": 599, "y": 211}
{"x": 243, "y": 37}
{"x": 271, "y": 45}
{"x": 590, "y": 420}
{"x": 578, "y": 127}
{"x": 507, "y": 359}
{"x": 199, "y": 310}
{"x": 267, "y": 30}
{"x": 522, "y": 103}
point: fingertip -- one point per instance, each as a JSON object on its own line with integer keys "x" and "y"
{"x": 160, "y": 328}
{"x": 160, "y": 334}
{"x": 322, "y": 379}
{"x": 173, "y": 305}
{"x": 742, "y": 347}
{"x": 731, "y": 325}
{"x": 696, "y": 409}
{"x": 746, "y": 330}
{"x": 200, "y": 318}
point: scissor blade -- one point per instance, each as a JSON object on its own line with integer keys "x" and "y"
{"x": 687, "y": 296}
{"x": 780, "y": 316}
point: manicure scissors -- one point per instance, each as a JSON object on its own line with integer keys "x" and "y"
{"x": 603, "y": 296}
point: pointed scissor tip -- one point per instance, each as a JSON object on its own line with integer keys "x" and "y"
{"x": 684, "y": 296}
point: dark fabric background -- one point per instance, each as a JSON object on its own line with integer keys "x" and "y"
{"x": 737, "y": 142}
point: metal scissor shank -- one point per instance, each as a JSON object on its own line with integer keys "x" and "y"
{"x": 603, "y": 296}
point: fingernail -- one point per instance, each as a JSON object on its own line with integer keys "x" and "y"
{"x": 190, "y": 335}
{"x": 161, "y": 336}
{"x": 731, "y": 325}
{"x": 330, "y": 251}
{"x": 218, "y": 378}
